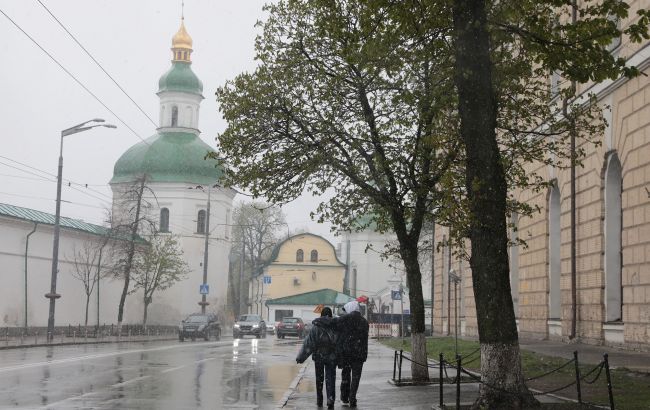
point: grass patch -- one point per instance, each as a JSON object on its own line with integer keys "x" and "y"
{"x": 631, "y": 389}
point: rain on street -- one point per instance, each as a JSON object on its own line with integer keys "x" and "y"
{"x": 239, "y": 373}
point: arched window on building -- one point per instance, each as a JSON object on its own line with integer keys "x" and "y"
{"x": 613, "y": 260}
{"x": 200, "y": 222}
{"x": 314, "y": 256}
{"x": 514, "y": 261}
{"x": 300, "y": 255}
{"x": 554, "y": 258}
{"x": 164, "y": 220}
{"x": 174, "y": 116}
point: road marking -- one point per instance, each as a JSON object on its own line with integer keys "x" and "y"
{"x": 100, "y": 356}
{"x": 137, "y": 379}
{"x": 172, "y": 369}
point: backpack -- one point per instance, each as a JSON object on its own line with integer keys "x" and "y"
{"x": 327, "y": 340}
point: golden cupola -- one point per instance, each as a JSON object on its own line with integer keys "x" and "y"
{"x": 182, "y": 45}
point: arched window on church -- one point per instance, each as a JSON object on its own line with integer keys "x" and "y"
{"x": 613, "y": 260}
{"x": 554, "y": 261}
{"x": 314, "y": 256}
{"x": 174, "y": 116}
{"x": 300, "y": 255}
{"x": 164, "y": 220}
{"x": 200, "y": 222}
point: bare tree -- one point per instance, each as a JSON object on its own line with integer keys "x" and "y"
{"x": 159, "y": 267}
{"x": 256, "y": 232}
{"x": 130, "y": 218}
{"x": 86, "y": 261}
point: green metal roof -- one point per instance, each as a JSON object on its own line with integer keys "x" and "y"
{"x": 168, "y": 157}
{"x": 44, "y": 218}
{"x": 316, "y": 297}
{"x": 180, "y": 77}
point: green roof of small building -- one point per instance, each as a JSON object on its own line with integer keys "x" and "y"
{"x": 168, "y": 157}
{"x": 180, "y": 77}
{"x": 316, "y": 297}
{"x": 44, "y": 218}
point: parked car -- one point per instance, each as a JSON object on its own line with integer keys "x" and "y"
{"x": 249, "y": 325}
{"x": 199, "y": 325}
{"x": 270, "y": 328}
{"x": 293, "y": 326}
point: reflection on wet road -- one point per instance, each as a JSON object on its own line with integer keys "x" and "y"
{"x": 240, "y": 373}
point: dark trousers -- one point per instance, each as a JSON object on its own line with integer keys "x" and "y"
{"x": 350, "y": 377}
{"x": 326, "y": 371}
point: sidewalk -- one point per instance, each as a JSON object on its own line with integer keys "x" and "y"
{"x": 376, "y": 393}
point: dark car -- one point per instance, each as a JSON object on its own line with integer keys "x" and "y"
{"x": 199, "y": 325}
{"x": 293, "y": 326}
{"x": 249, "y": 325}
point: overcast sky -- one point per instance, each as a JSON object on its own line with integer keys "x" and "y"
{"x": 131, "y": 40}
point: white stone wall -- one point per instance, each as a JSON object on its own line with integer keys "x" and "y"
{"x": 188, "y": 109}
{"x": 70, "y": 307}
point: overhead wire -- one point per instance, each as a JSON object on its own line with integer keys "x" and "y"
{"x": 97, "y": 63}
{"x": 82, "y": 85}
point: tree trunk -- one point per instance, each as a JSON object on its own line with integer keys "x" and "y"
{"x": 504, "y": 386}
{"x": 409, "y": 254}
{"x": 144, "y": 318}
{"x": 87, "y": 303}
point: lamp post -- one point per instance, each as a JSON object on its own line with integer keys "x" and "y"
{"x": 53, "y": 296}
{"x": 453, "y": 277}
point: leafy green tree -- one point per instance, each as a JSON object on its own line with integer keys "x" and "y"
{"x": 157, "y": 268}
{"x": 343, "y": 99}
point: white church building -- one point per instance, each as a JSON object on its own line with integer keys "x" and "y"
{"x": 180, "y": 183}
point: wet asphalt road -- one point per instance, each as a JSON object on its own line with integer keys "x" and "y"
{"x": 229, "y": 374}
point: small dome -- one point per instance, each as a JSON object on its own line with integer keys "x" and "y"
{"x": 168, "y": 157}
{"x": 182, "y": 39}
{"x": 180, "y": 77}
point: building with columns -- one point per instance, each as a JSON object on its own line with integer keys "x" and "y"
{"x": 180, "y": 182}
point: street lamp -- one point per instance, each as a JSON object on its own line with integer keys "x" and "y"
{"x": 453, "y": 277}
{"x": 53, "y": 296}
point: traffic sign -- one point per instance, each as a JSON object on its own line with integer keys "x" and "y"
{"x": 396, "y": 295}
{"x": 267, "y": 280}
{"x": 204, "y": 289}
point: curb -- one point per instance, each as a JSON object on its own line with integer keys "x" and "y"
{"x": 25, "y": 346}
{"x": 292, "y": 387}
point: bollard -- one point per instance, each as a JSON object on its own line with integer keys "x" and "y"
{"x": 441, "y": 363}
{"x": 74, "y": 337}
{"x": 575, "y": 358}
{"x": 394, "y": 364}
{"x": 609, "y": 382}
{"x": 401, "y": 353}
{"x": 458, "y": 373}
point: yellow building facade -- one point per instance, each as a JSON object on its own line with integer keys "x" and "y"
{"x": 612, "y": 231}
{"x": 299, "y": 264}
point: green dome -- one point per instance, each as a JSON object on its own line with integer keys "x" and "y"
{"x": 180, "y": 77}
{"x": 168, "y": 157}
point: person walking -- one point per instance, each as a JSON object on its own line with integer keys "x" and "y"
{"x": 351, "y": 350}
{"x": 320, "y": 343}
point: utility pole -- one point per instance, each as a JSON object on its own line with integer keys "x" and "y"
{"x": 401, "y": 303}
{"x": 242, "y": 299}
{"x": 203, "y": 301}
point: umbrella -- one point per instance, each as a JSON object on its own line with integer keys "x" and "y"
{"x": 362, "y": 299}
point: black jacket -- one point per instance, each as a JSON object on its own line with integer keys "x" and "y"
{"x": 320, "y": 343}
{"x": 352, "y": 338}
